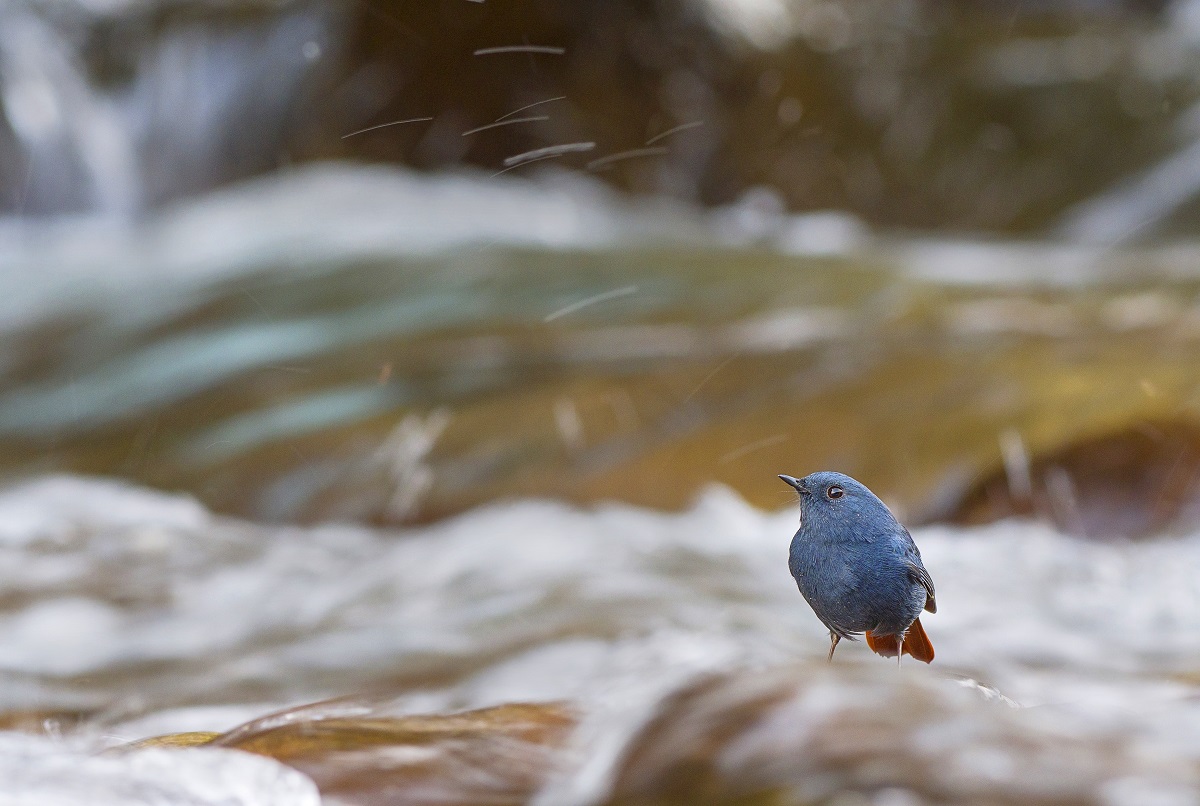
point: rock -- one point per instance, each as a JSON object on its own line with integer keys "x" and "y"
{"x": 173, "y": 740}
{"x": 795, "y": 735}
{"x": 499, "y": 755}
{"x": 1133, "y": 482}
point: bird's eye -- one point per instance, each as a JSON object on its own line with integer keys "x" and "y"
{"x": 835, "y": 492}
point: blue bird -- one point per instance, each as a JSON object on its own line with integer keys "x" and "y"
{"x": 858, "y": 568}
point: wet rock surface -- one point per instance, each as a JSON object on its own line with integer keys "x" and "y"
{"x": 800, "y": 736}
{"x": 793, "y": 734}
{"x": 498, "y": 755}
{"x": 1139, "y": 482}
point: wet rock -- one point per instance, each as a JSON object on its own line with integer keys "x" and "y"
{"x": 812, "y": 733}
{"x": 174, "y": 740}
{"x": 499, "y": 755}
{"x": 795, "y": 736}
{"x": 1137, "y": 481}
{"x": 50, "y": 722}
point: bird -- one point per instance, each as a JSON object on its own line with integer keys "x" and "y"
{"x": 858, "y": 568}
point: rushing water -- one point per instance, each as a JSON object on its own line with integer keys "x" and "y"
{"x": 386, "y": 347}
{"x": 401, "y": 409}
{"x": 147, "y": 614}
{"x": 354, "y": 485}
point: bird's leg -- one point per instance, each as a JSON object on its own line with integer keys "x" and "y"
{"x": 900, "y": 647}
{"x": 833, "y": 642}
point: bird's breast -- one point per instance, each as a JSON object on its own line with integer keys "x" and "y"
{"x": 858, "y": 585}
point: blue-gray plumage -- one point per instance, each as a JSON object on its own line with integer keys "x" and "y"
{"x": 858, "y": 568}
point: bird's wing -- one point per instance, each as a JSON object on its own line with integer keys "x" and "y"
{"x": 918, "y": 574}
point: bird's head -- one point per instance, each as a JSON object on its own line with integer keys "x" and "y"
{"x": 828, "y": 495}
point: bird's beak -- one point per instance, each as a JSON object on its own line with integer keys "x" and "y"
{"x": 795, "y": 484}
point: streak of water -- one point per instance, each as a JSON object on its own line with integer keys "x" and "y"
{"x": 548, "y": 151}
{"x": 551, "y": 50}
{"x": 385, "y": 125}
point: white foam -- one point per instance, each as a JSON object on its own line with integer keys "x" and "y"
{"x": 612, "y": 606}
{"x": 40, "y": 772}
{"x": 54, "y": 507}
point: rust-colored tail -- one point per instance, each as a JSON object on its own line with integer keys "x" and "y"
{"x": 916, "y": 643}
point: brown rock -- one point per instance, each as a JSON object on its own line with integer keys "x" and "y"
{"x": 498, "y": 755}
{"x": 1133, "y": 482}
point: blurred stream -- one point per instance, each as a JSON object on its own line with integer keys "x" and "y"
{"x": 417, "y": 473}
{"x": 420, "y": 345}
{"x": 140, "y": 613}
{"x": 385, "y": 347}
